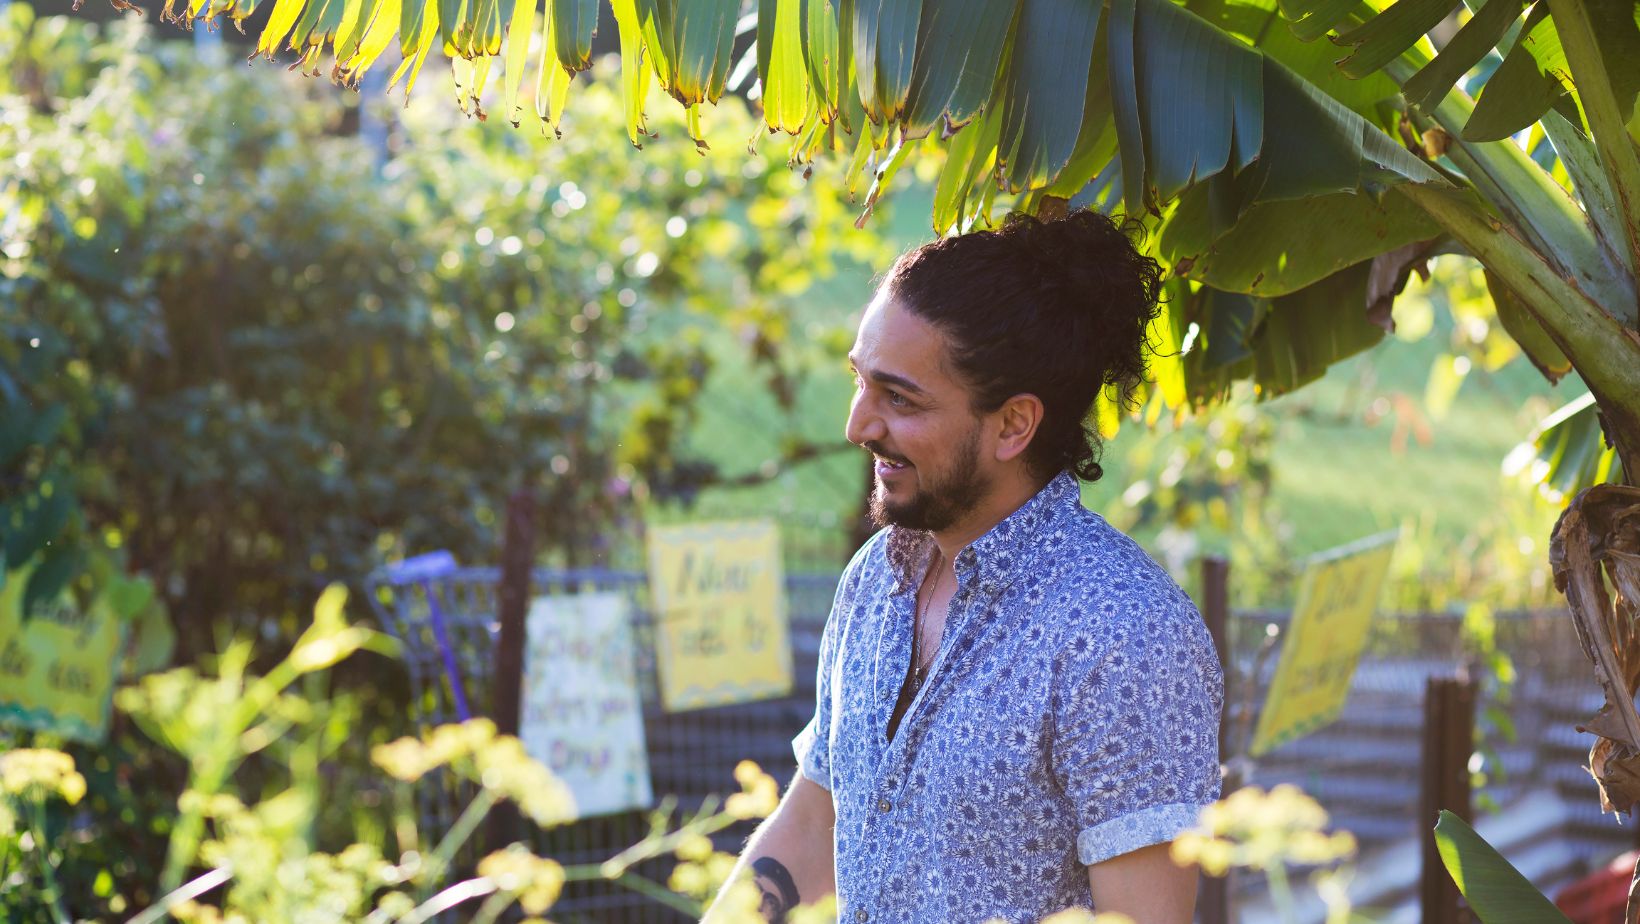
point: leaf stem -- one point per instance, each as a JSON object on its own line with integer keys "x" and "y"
{"x": 1603, "y": 112}
{"x": 463, "y": 828}
{"x": 654, "y": 890}
{"x": 43, "y": 848}
{"x": 192, "y": 889}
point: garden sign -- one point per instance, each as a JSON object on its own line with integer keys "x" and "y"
{"x": 1336, "y": 600}
{"x": 582, "y": 716}
{"x": 57, "y": 663}
{"x": 720, "y": 613}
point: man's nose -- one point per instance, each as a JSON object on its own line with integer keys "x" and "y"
{"x": 863, "y": 424}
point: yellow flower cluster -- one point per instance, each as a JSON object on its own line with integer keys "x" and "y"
{"x": 536, "y": 881}
{"x": 701, "y": 873}
{"x": 498, "y": 763}
{"x": 1256, "y": 829}
{"x": 35, "y": 773}
{"x": 759, "y": 794}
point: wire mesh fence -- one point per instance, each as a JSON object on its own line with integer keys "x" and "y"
{"x": 1364, "y": 768}
{"x": 692, "y": 754}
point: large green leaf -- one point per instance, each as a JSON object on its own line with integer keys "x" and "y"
{"x": 1046, "y": 86}
{"x": 1262, "y": 255}
{"x": 1497, "y": 893}
{"x": 1342, "y": 153}
{"x": 885, "y": 48}
{"x": 1314, "y": 19}
{"x": 1517, "y": 320}
{"x": 1309, "y": 330}
{"x": 781, "y": 66}
{"x": 519, "y": 32}
{"x": 703, "y": 34}
{"x": 959, "y": 46}
{"x": 1228, "y": 321}
{"x": 1258, "y": 23}
{"x": 1096, "y": 138}
{"x": 1124, "y": 81}
{"x": 574, "y": 22}
{"x": 1525, "y": 85}
{"x": 1282, "y": 343}
{"x": 1466, "y": 49}
{"x": 1190, "y": 100}
{"x": 1568, "y": 450}
{"x": 659, "y": 43}
{"x": 967, "y": 155}
{"x": 1387, "y": 36}
{"x": 1201, "y": 97}
{"x": 827, "y": 70}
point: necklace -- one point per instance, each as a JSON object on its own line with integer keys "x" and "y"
{"x": 919, "y": 670}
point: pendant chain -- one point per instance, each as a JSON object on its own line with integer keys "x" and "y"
{"x": 919, "y": 671}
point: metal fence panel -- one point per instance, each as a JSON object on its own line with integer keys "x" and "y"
{"x": 692, "y": 755}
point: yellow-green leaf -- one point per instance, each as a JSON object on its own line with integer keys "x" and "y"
{"x": 634, "y": 76}
{"x": 787, "y": 100}
{"x": 518, "y": 51}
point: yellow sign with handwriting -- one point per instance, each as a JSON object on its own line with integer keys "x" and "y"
{"x": 1337, "y": 597}
{"x": 718, "y": 595}
{"x": 57, "y": 665}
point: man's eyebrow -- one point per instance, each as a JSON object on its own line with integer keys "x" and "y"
{"x": 889, "y": 378}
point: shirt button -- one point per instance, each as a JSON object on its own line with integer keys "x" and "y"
{"x": 883, "y": 805}
{"x": 860, "y": 914}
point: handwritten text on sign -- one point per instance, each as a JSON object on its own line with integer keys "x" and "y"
{"x": 720, "y": 614}
{"x": 1336, "y": 601}
{"x": 581, "y": 715}
{"x": 57, "y": 665}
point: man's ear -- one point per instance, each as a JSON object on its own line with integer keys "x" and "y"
{"x": 1018, "y": 419}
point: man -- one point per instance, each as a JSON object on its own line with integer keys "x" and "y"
{"x": 1017, "y": 709}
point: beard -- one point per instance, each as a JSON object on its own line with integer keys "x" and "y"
{"x": 940, "y": 499}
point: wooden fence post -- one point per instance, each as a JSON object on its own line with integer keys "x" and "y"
{"x": 1449, "y": 740}
{"x": 1213, "y": 906}
{"x": 512, "y": 603}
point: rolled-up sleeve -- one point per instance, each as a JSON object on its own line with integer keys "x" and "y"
{"x": 1135, "y": 745}
{"x": 812, "y": 746}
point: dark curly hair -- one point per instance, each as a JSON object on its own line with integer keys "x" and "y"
{"x": 1057, "y": 309}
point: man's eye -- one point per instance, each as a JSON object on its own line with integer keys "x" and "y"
{"x": 897, "y": 399}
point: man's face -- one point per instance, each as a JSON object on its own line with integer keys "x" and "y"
{"x": 914, "y": 416}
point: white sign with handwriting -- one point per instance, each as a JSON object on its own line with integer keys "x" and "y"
{"x": 582, "y": 715}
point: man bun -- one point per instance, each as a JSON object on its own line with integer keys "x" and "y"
{"x": 1058, "y": 309}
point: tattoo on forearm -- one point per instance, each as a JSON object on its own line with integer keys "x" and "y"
{"x": 779, "y": 891}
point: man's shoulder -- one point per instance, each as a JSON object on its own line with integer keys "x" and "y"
{"x": 1093, "y": 554}
{"x": 1105, "y": 582}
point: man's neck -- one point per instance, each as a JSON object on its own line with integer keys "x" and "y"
{"x": 1008, "y": 495}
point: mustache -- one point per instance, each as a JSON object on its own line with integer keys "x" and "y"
{"x": 876, "y": 448}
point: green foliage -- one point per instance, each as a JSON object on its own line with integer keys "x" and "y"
{"x": 258, "y": 355}
{"x": 1495, "y": 890}
{"x": 254, "y": 846}
{"x": 273, "y": 362}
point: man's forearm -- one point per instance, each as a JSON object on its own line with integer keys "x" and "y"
{"x": 789, "y": 858}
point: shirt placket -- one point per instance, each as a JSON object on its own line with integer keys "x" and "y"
{"x": 894, "y": 768}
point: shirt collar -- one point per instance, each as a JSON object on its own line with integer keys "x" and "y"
{"x": 1009, "y": 545}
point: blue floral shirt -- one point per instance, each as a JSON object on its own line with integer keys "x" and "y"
{"x": 1071, "y": 715}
